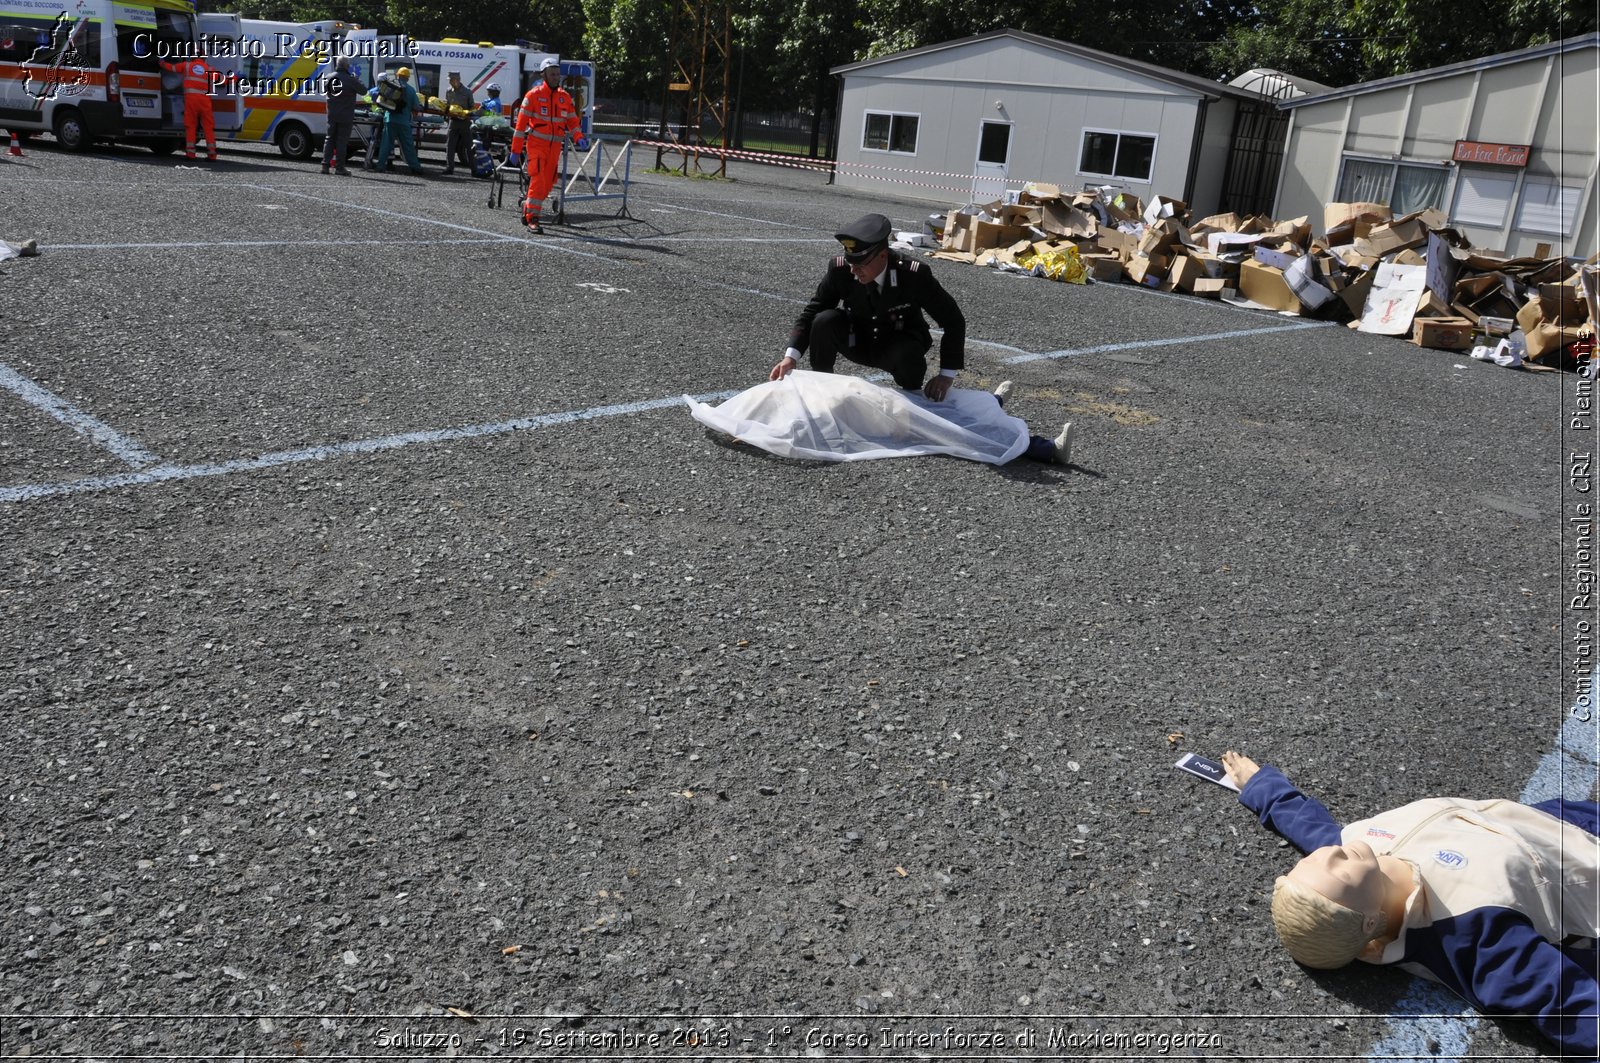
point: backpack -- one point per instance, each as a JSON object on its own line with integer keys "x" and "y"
{"x": 482, "y": 161}
{"x": 391, "y": 94}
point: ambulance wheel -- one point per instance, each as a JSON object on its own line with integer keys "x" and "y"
{"x": 165, "y": 147}
{"x": 70, "y": 131}
{"x": 294, "y": 140}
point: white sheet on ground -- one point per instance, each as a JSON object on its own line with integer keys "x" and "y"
{"x": 825, "y": 417}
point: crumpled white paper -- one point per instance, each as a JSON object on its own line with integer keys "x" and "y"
{"x": 828, "y": 417}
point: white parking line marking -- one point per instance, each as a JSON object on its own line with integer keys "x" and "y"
{"x": 544, "y": 244}
{"x": 1170, "y": 341}
{"x": 669, "y": 208}
{"x": 317, "y": 453}
{"x": 202, "y": 245}
{"x": 75, "y": 419}
{"x": 320, "y": 452}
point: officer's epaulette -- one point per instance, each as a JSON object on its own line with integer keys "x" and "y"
{"x": 913, "y": 265}
{"x": 838, "y": 260}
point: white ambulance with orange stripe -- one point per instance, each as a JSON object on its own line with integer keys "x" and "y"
{"x": 275, "y": 75}
{"x": 90, "y": 70}
{"x": 513, "y": 67}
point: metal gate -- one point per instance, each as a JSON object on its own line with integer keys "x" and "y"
{"x": 1254, "y": 157}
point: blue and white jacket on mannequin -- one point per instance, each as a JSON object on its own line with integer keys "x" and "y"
{"x": 1505, "y": 891}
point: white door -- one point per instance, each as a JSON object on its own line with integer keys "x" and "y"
{"x": 224, "y": 36}
{"x": 994, "y": 150}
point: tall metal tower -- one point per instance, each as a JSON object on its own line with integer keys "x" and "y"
{"x": 695, "y": 93}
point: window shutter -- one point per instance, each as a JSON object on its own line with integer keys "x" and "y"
{"x": 1546, "y": 207}
{"x": 1482, "y": 198}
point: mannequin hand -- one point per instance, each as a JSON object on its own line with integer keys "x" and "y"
{"x": 937, "y": 388}
{"x": 782, "y": 369}
{"x": 1240, "y": 768}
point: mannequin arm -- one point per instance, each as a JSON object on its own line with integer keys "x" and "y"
{"x": 1281, "y": 806}
{"x": 1496, "y": 960}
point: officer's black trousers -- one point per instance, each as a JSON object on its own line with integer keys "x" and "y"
{"x": 901, "y": 356}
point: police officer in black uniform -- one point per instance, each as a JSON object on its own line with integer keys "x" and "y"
{"x": 869, "y": 308}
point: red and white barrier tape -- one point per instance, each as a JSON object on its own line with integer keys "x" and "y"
{"x": 894, "y": 174}
{"x": 768, "y": 158}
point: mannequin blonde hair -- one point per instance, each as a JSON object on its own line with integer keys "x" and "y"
{"x": 1316, "y": 931}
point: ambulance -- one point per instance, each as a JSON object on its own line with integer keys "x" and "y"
{"x": 273, "y": 88}
{"x": 513, "y": 67}
{"x": 90, "y": 70}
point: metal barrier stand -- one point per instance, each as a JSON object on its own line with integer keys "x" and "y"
{"x": 599, "y": 182}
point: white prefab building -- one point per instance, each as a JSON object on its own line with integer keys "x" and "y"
{"x": 1505, "y": 145}
{"x": 969, "y": 117}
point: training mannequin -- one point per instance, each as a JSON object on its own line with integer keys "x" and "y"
{"x": 1487, "y": 898}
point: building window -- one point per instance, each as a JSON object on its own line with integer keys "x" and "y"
{"x": 1111, "y": 154}
{"x": 1547, "y": 206}
{"x": 890, "y": 132}
{"x": 1483, "y": 197}
{"x": 994, "y": 143}
{"x": 1405, "y": 187}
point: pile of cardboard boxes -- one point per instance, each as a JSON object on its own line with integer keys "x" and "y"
{"x": 1412, "y": 276}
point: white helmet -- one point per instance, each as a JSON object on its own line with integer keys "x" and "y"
{"x": 550, "y": 61}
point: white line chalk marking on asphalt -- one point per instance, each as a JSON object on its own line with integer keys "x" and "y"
{"x": 202, "y": 245}
{"x": 1428, "y": 1012}
{"x": 508, "y": 238}
{"x": 75, "y": 419}
{"x": 1171, "y": 341}
{"x": 165, "y": 473}
{"x": 673, "y": 208}
{"x": 320, "y": 452}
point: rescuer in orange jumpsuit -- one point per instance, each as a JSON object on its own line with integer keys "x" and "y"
{"x": 197, "y": 76}
{"x": 546, "y": 116}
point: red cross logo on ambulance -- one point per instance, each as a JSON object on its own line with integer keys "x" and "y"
{"x": 1450, "y": 858}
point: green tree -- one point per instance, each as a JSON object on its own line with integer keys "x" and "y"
{"x": 557, "y": 24}
{"x": 1176, "y": 36}
{"x": 1307, "y": 38}
{"x": 1401, "y": 36}
{"x": 818, "y": 35}
{"x": 1343, "y": 42}
{"x": 627, "y": 39}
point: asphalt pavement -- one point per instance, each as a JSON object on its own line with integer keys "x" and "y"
{"x": 397, "y": 670}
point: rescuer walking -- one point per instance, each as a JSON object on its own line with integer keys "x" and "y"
{"x": 546, "y": 116}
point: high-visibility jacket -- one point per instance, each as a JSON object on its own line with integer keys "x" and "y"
{"x": 544, "y": 117}
{"x": 196, "y": 75}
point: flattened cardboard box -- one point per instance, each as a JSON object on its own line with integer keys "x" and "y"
{"x": 1062, "y": 220}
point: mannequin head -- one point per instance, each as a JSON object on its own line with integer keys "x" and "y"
{"x": 1330, "y": 905}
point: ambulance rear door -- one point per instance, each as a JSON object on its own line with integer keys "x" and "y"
{"x": 224, "y": 45}
{"x": 577, "y": 77}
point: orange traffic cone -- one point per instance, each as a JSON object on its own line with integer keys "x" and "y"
{"x": 16, "y": 145}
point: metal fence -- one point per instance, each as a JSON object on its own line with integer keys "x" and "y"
{"x": 787, "y": 131}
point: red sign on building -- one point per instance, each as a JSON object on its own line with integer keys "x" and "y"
{"x": 1491, "y": 154}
